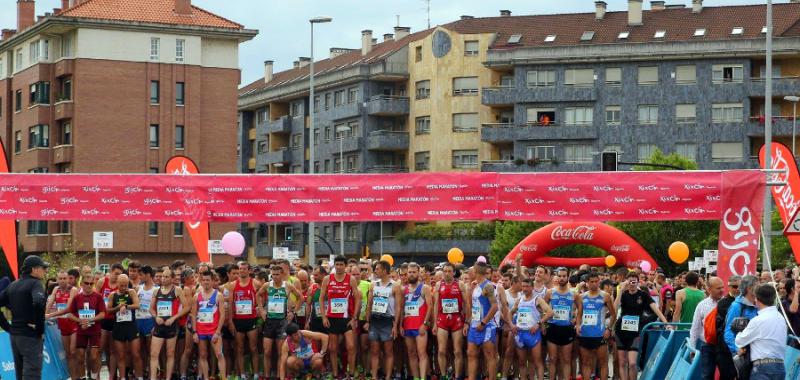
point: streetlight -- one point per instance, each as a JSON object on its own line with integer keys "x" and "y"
{"x": 312, "y": 257}
{"x": 794, "y": 100}
{"x": 341, "y": 130}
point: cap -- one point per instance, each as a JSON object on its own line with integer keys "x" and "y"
{"x": 34, "y": 261}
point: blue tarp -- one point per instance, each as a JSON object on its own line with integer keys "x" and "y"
{"x": 54, "y": 366}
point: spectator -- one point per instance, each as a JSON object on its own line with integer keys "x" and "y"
{"x": 792, "y": 308}
{"x": 766, "y": 337}
{"x": 724, "y": 356}
{"x": 686, "y": 299}
{"x": 667, "y": 295}
{"x": 743, "y": 306}
{"x": 708, "y": 352}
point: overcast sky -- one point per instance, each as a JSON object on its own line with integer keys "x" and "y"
{"x": 284, "y": 29}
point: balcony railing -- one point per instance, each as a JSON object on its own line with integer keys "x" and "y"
{"x": 387, "y": 169}
{"x": 387, "y": 105}
{"x": 387, "y": 140}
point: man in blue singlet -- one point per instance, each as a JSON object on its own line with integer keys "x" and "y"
{"x": 591, "y": 328}
{"x": 483, "y": 321}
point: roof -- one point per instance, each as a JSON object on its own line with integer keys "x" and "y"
{"x": 150, "y": 11}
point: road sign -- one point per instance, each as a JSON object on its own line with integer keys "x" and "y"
{"x": 103, "y": 240}
{"x": 712, "y": 269}
{"x": 292, "y": 255}
{"x": 215, "y": 247}
{"x": 710, "y": 255}
{"x": 280, "y": 253}
{"x": 793, "y": 227}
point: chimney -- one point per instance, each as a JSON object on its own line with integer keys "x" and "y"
{"x": 697, "y": 6}
{"x": 268, "y": 71}
{"x": 505, "y": 13}
{"x": 657, "y": 5}
{"x": 374, "y": 41}
{"x": 25, "y": 13}
{"x": 366, "y": 41}
{"x": 183, "y": 7}
{"x": 39, "y": 18}
{"x": 304, "y": 61}
{"x": 8, "y": 33}
{"x": 599, "y": 10}
{"x": 65, "y": 4}
{"x": 335, "y": 52}
{"x": 388, "y": 37}
{"x": 296, "y": 64}
{"x": 401, "y": 32}
{"x": 466, "y": 17}
{"x": 634, "y": 12}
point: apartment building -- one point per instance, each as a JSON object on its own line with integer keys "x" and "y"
{"x": 119, "y": 86}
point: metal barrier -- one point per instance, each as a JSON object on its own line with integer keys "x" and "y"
{"x": 659, "y": 347}
{"x": 792, "y": 361}
{"x": 686, "y": 364}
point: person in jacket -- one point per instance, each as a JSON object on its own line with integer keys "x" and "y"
{"x": 743, "y": 306}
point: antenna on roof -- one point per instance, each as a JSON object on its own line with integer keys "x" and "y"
{"x": 428, "y": 4}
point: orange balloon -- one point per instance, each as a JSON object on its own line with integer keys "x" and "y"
{"x": 678, "y": 252}
{"x": 388, "y": 258}
{"x": 455, "y": 256}
{"x": 611, "y": 261}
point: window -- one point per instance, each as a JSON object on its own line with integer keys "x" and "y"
{"x": 154, "y": 92}
{"x": 352, "y": 95}
{"x": 66, "y": 89}
{"x": 660, "y": 34}
{"x": 154, "y": 135}
{"x": 297, "y": 141}
{"x": 177, "y": 229}
{"x": 62, "y": 227}
{"x": 326, "y": 232}
{"x": 316, "y": 166}
{"x": 18, "y": 101}
{"x": 180, "y": 47}
{"x": 727, "y": 73}
{"x": 338, "y": 98}
{"x": 423, "y": 89}
{"x": 153, "y": 171}
{"x": 578, "y": 116}
{"x": 37, "y": 227}
{"x": 40, "y": 93}
{"x": 613, "y": 76}
{"x": 337, "y": 165}
{"x": 353, "y": 129}
{"x": 465, "y": 122}
{"x": 66, "y": 133}
{"x": 579, "y": 77}
{"x": 38, "y": 136}
{"x": 726, "y": 152}
{"x": 578, "y": 153}
{"x": 327, "y": 166}
{"x": 295, "y": 109}
{"x": 685, "y": 113}
{"x": 737, "y": 31}
{"x": 328, "y": 133}
{"x": 686, "y": 150}
{"x": 352, "y": 232}
{"x": 685, "y": 74}
{"x": 727, "y": 113}
{"x": 587, "y": 35}
{"x": 423, "y": 125}
{"x": 613, "y": 115}
{"x": 316, "y": 136}
{"x": 541, "y": 116}
{"x": 66, "y": 45}
{"x": 645, "y": 151}
{"x": 351, "y": 164}
{"x": 506, "y": 81}
{"x": 422, "y": 161}
{"x": 18, "y": 64}
{"x": 155, "y": 47}
{"x": 328, "y": 101}
{"x": 179, "y": 140}
{"x": 699, "y": 32}
{"x": 152, "y": 228}
{"x": 17, "y": 141}
{"x": 541, "y": 153}
{"x": 38, "y": 170}
{"x": 465, "y": 159}
{"x": 623, "y": 35}
{"x": 262, "y": 147}
{"x": 470, "y": 48}
{"x": 418, "y": 53}
{"x": 180, "y": 89}
{"x": 764, "y": 30}
{"x": 648, "y": 114}
{"x": 550, "y": 38}
{"x": 465, "y": 86}
{"x": 33, "y": 52}
{"x": 648, "y": 75}
{"x": 514, "y": 38}
{"x": 340, "y": 131}
{"x": 296, "y": 169}
{"x": 541, "y": 78}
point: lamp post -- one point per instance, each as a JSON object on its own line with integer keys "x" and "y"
{"x": 312, "y": 257}
{"x": 768, "y": 132}
{"x": 794, "y": 100}
{"x": 341, "y": 131}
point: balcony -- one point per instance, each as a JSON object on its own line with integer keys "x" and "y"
{"x": 282, "y": 125}
{"x": 384, "y": 105}
{"x": 62, "y": 154}
{"x": 348, "y": 144}
{"x": 64, "y": 109}
{"x": 387, "y": 140}
{"x": 781, "y": 86}
{"x": 504, "y": 133}
{"x": 497, "y": 96}
{"x": 387, "y": 169}
{"x": 781, "y": 126}
{"x": 343, "y": 111}
{"x": 39, "y": 157}
{"x": 283, "y": 155}
{"x": 506, "y": 95}
{"x": 65, "y": 67}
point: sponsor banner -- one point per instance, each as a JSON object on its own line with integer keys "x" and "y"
{"x": 740, "y": 224}
{"x": 8, "y": 227}
{"x": 54, "y": 360}
{"x": 193, "y": 221}
{"x": 787, "y": 198}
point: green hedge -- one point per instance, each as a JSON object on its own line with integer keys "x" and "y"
{"x": 459, "y": 231}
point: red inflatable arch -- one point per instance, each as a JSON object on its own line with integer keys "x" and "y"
{"x": 536, "y": 245}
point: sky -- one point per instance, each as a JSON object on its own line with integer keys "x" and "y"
{"x": 284, "y": 29}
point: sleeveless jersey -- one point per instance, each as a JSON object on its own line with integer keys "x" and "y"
{"x": 61, "y": 301}
{"x": 451, "y": 301}
{"x": 383, "y": 300}
{"x": 167, "y": 305}
{"x": 415, "y": 308}
{"x": 277, "y": 301}
{"x": 539, "y": 292}
{"x": 304, "y": 350}
{"x": 363, "y": 287}
{"x": 481, "y": 306}
{"x": 207, "y": 313}
{"x": 126, "y": 316}
{"x": 341, "y": 301}
{"x": 314, "y": 290}
{"x": 244, "y": 298}
{"x": 105, "y": 291}
{"x": 594, "y": 315}
{"x": 145, "y": 300}
{"x": 527, "y": 314}
{"x": 561, "y": 303}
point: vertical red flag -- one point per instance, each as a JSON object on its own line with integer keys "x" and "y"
{"x": 787, "y": 197}
{"x": 198, "y": 229}
{"x": 8, "y": 227}
{"x": 740, "y": 224}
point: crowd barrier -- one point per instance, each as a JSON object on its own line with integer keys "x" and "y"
{"x": 659, "y": 348}
{"x": 792, "y": 361}
{"x": 686, "y": 365}
{"x": 54, "y": 366}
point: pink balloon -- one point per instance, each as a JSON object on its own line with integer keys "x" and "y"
{"x": 233, "y": 243}
{"x": 481, "y": 259}
{"x": 646, "y": 266}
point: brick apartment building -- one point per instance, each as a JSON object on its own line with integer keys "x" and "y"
{"x": 119, "y": 86}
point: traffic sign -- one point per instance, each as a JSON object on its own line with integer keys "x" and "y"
{"x": 215, "y": 247}
{"x": 793, "y": 227}
{"x": 280, "y": 253}
{"x": 710, "y": 255}
{"x": 103, "y": 240}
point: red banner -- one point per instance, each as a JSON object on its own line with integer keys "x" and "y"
{"x": 198, "y": 230}
{"x": 740, "y": 226}
{"x": 8, "y": 227}
{"x": 786, "y": 197}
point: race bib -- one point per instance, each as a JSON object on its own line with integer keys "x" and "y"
{"x": 630, "y": 323}
{"x": 477, "y": 314}
{"x": 316, "y": 309}
{"x": 61, "y": 307}
{"x": 589, "y": 319}
{"x": 525, "y": 317}
{"x": 164, "y": 309}
{"x": 244, "y": 307}
{"x": 305, "y": 352}
{"x": 86, "y": 314}
{"x": 412, "y": 308}
{"x": 380, "y": 305}
{"x": 301, "y": 312}
{"x": 561, "y": 313}
{"x": 143, "y": 312}
{"x": 338, "y": 305}
{"x": 205, "y": 315}
{"x": 124, "y": 316}
{"x": 276, "y": 306}
{"x": 449, "y": 305}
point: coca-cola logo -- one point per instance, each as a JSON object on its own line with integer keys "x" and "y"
{"x": 90, "y": 211}
{"x": 669, "y": 198}
{"x": 45, "y": 189}
{"x": 132, "y": 189}
{"x": 29, "y": 200}
{"x": 173, "y": 213}
{"x": 558, "y": 213}
{"x": 111, "y": 200}
{"x": 648, "y": 187}
{"x": 604, "y": 212}
{"x": 513, "y": 213}
{"x": 582, "y": 232}
{"x": 131, "y": 212}
{"x": 528, "y": 247}
{"x": 620, "y": 248}
{"x": 8, "y": 211}
{"x": 512, "y": 189}
{"x": 14, "y": 189}
{"x": 624, "y": 200}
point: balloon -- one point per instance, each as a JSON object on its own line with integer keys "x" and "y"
{"x": 388, "y": 258}
{"x": 455, "y": 256}
{"x": 233, "y": 243}
{"x": 678, "y": 252}
{"x": 611, "y": 261}
{"x": 481, "y": 259}
{"x": 646, "y": 266}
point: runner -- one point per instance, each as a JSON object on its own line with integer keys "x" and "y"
{"x": 530, "y": 313}
{"x": 383, "y": 300}
{"x": 185, "y": 342}
{"x": 339, "y": 299}
{"x": 314, "y": 322}
{"x": 242, "y": 299}
{"x": 449, "y": 316}
{"x": 512, "y": 291}
{"x": 122, "y": 303}
{"x": 88, "y": 309}
{"x": 302, "y": 312}
{"x": 61, "y": 298}
{"x": 364, "y": 276}
{"x": 144, "y": 320}
{"x": 276, "y": 314}
{"x": 165, "y": 309}
{"x": 208, "y": 319}
{"x": 484, "y": 318}
{"x": 416, "y": 320}
{"x": 561, "y": 330}
{"x": 303, "y": 351}
{"x": 106, "y": 287}
{"x": 591, "y": 328}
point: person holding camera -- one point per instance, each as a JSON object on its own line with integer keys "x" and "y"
{"x": 765, "y": 337}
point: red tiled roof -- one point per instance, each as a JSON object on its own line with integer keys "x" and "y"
{"x": 151, "y": 11}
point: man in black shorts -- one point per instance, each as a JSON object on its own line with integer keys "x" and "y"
{"x": 340, "y": 300}
{"x": 591, "y": 329}
{"x": 561, "y": 329}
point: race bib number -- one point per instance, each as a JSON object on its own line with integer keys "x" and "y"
{"x": 412, "y": 308}
{"x": 244, "y": 307}
{"x": 525, "y": 317}
{"x": 276, "y": 306}
{"x": 301, "y": 312}
{"x": 477, "y": 314}
{"x": 61, "y": 307}
{"x": 86, "y": 314}
{"x": 124, "y": 316}
{"x": 449, "y": 305}
{"x": 316, "y": 309}
{"x": 630, "y": 323}
{"x": 338, "y": 305}
{"x": 589, "y": 319}
{"x": 561, "y": 313}
{"x": 205, "y": 315}
{"x": 143, "y": 311}
{"x": 380, "y": 305}
{"x": 164, "y": 309}
{"x": 305, "y": 352}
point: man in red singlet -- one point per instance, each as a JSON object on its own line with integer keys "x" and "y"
{"x": 208, "y": 315}
{"x": 416, "y": 321}
{"x": 449, "y": 316}
{"x": 339, "y": 300}
{"x": 242, "y": 300}
{"x": 109, "y": 285}
{"x": 61, "y": 298}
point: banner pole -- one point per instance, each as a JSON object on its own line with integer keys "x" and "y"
{"x": 97, "y": 258}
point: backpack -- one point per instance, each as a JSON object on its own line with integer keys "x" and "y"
{"x": 710, "y": 327}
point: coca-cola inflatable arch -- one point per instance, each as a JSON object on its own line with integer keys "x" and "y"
{"x": 536, "y": 245}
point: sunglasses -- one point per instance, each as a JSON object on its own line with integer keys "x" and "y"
{"x": 733, "y": 286}
{"x": 88, "y": 283}
{"x": 365, "y": 269}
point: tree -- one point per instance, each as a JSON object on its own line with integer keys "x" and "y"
{"x": 674, "y": 159}
{"x": 507, "y": 235}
